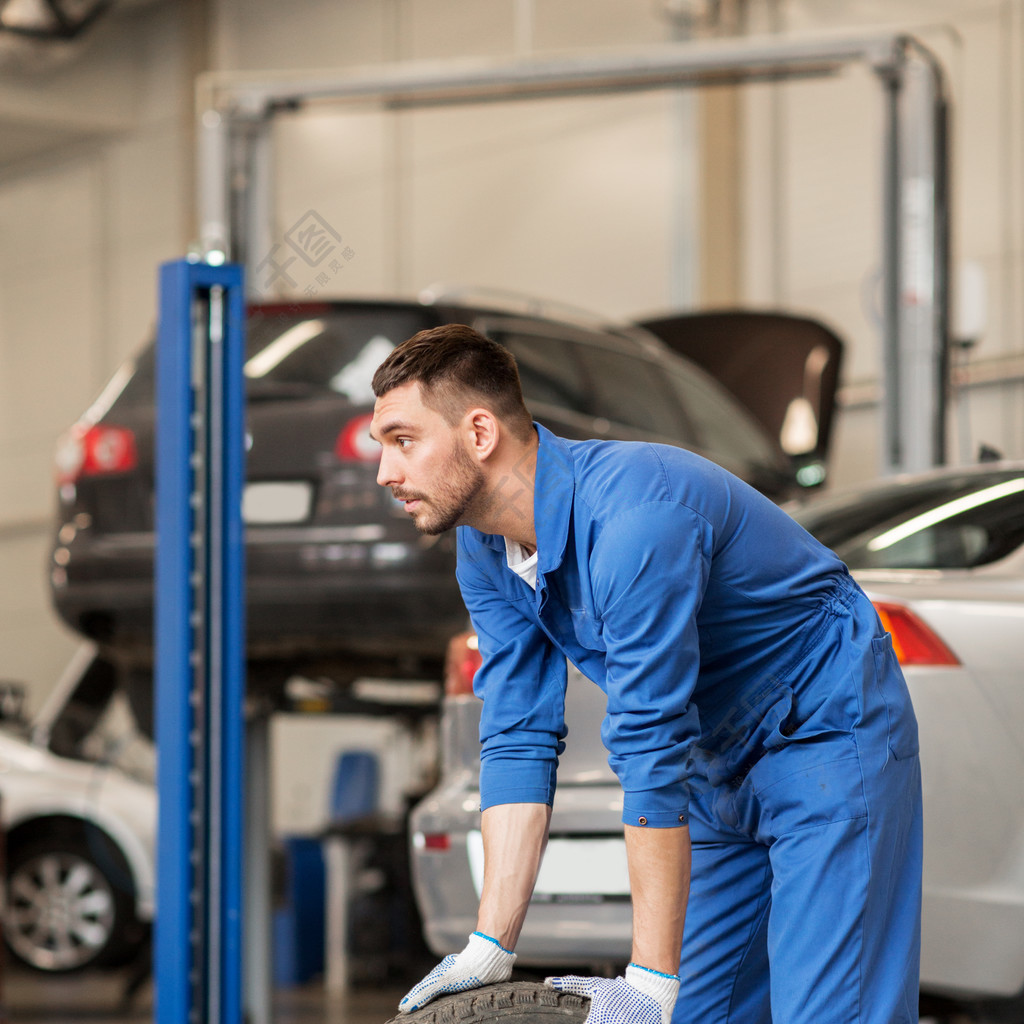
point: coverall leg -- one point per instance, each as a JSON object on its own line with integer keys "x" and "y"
{"x": 724, "y": 969}
{"x": 807, "y": 869}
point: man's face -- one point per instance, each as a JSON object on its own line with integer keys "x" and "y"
{"x": 424, "y": 461}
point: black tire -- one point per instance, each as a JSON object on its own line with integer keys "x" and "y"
{"x": 70, "y": 904}
{"x": 522, "y": 1002}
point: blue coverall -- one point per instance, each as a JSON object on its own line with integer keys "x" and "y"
{"x": 751, "y": 693}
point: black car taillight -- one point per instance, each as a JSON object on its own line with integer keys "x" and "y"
{"x": 95, "y": 450}
{"x": 354, "y": 443}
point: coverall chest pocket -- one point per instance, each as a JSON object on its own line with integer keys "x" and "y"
{"x": 893, "y": 690}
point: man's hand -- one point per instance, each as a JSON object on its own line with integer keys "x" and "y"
{"x": 642, "y": 997}
{"x": 483, "y": 962}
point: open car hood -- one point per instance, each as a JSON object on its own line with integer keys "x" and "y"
{"x": 784, "y": 369}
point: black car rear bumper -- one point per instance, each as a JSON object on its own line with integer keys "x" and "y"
{"x": 382, "y": 599}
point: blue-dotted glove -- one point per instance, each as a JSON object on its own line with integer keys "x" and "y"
{"x": 483, "y": 962}
{"x": 643, "y": 996}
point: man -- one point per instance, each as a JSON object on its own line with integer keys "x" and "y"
{"x": 754, "y": 707}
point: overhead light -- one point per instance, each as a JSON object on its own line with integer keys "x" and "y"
{"x": 50, "y": 19}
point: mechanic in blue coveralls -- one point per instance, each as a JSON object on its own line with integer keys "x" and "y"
{"x": 757, "y": 718}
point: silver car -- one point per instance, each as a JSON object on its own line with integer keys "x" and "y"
{"x": 942, "y": 556}
{"x": 79, "y": 817}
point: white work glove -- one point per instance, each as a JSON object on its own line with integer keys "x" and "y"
{"x": 642, "y": 997}
{"x": 483, "y": 962}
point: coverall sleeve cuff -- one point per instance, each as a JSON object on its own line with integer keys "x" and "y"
{"x": 655, "y": 809}
{"x": 516, "y": 782}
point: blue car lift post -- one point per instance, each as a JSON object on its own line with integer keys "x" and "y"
{"x": 200, "y": 649}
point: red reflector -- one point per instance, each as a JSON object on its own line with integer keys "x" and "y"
{"x": 914, "y": 642}
{"x": 354, "y": 443}
{"x": 94, "y": 451}
{"x": 439, "y": 841}
{"x": 460, "y": 665}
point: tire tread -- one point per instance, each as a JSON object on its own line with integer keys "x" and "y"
{"x": 520, "y": 1000}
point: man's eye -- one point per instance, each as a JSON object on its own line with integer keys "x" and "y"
{"x": 404, "y": 442}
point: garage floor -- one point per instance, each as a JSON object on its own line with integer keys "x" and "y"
{"x": 96, "y": 999}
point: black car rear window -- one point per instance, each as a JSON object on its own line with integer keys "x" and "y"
{"x": 720, "y": 423}
{"x": 951, "y": 522}
{"x": 630, "y": 389}
{"x": 325, "y": 349}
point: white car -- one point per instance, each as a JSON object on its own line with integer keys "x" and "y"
{"x": 78, "y": 808}
{"x": 942, "y": 556}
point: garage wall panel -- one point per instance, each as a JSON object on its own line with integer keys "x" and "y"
{"x": 340, "y": 167}
{"x": 267, "y": 35}
{"x": 442, "y": 30}
{"x": 572, "y": 200}
{"x": 147, "y": 195}
{"x": 49, "y": 301}
{"x": 84, "y": 225}
{"x": 566, "y": 199}
{"x": 600, "y": 23}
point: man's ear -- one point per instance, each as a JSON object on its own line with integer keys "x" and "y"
{"x": 482, "y": 431}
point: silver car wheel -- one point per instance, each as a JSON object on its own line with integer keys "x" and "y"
{"x": 60, "y": 911}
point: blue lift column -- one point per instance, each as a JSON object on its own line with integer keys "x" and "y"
{"x": 200, "y": 648}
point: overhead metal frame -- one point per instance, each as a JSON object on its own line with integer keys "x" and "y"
{"x": 235, "y": 112}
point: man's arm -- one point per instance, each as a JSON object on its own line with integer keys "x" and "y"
{"x": 515, "y": 836}
{"x": 659, "y": 878}
{"x": 514, "y": 839}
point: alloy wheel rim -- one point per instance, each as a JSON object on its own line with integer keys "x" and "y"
{"x": 60, "y": 911}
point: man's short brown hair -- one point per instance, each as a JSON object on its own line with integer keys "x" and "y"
{"x": 457, "y": 368}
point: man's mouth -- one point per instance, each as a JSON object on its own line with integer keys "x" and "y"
{"x": 408, "y": 500}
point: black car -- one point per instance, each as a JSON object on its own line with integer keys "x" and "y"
{"x": 334, "y": 564}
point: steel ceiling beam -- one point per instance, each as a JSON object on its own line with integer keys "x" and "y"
{"x": 234, "y": 108}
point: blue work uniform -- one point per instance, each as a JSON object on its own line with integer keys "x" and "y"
{"x": 751, "y": 694}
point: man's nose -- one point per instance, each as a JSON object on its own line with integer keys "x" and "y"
{"x": 385, "y": 472}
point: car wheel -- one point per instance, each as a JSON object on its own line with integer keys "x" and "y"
{"x": 520, "y": 1002}
{"x": 69, "y": 904}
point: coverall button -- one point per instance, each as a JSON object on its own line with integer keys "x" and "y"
{"x": 641, "y": 821}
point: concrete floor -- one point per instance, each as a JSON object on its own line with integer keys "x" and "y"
{"x": 96, "y": 998}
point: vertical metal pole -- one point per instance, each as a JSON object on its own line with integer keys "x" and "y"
{"x": 922, "y": 328}
{"x": 254, "y": 228}
{"x": 174, "y": 939}
{"x": 891, "y": 449}
{"x": 942, "y": 324}
{"x": 232, "y": 639}
{"x": 915, "y": 264}
{"x": 200, "y": 680}
{"x": 213, "y": 139}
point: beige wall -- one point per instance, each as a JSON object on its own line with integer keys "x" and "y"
{"x": 608, "y": 203}
{"x": 89, "y": 204}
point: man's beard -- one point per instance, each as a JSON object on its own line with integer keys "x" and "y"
{"x": 458, "y": 492}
